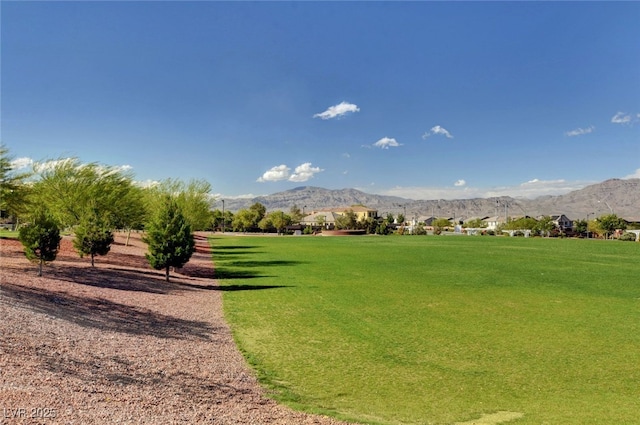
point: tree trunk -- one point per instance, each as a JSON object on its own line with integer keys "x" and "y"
{"x": 167, "y": 274}
{"x": 40, "y": 267}
{"x": 128, "y": 236}
{"x": 92, "y": 256}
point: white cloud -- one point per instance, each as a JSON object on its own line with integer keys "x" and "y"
{"x": 304, "y": 172}
{"x": 635, "y": 175}
{"x": 220, "y": 196}
{"x": 338, "y": 110}
{"x": 387, "y": 142}
{"x": 624, "y": 118}
{"x": 21, "y": 163}
{"x": 277, "y": 173}
{"x": 580, "y": 131}
{"x": 531, "y": 189}
{"x": 460, "y": 183}
{"x": 145, "y": 184}
{"x": 437, "y": 130}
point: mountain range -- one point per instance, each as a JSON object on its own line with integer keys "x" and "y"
{"x": 618, "y": 196}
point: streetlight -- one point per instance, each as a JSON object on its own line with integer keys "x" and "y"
{"x": 588, "y": 214}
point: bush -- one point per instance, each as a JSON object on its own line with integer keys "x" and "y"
{"x": 41, "y": 239}
{"x": 419, "y": 230}
{"x": 628, "y": 237}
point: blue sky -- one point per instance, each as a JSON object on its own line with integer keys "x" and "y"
{"x": 423, "y": 100}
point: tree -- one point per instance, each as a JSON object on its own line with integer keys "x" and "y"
{"x": 440, "y": 224}
{"x": 40, "y": 238}
{"x": 92, "y": 237}
{"x": 259, "y": 212}
{"x": 295, "y": 214}
{"x": 580, "y": 226}
{"x": 218, "y": 220}
{"x": 348, "y": 220}
{"x": 193, "y": 198}
{"x": 610, "y": 223}
{"x": 13, "y": 191}
{"x": 545, "y": 225}
{"x": 522, "y": 223}
{"x": 279, "y": 220}
{"x": 265, "y": 224}
{"x": 169, "y": 238}
{"x": 419, "y": 229}
{"x": 383, "y": 228}
{"x": 244, "y": 220}
{"x": 475, "y": 223}
{"x": 70, "y": 190}
{"x": 134, "y": 216}
{"x": 369, "y": 224}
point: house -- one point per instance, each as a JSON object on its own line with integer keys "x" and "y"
{"x": 361, "y": 211}
{"x": 317, "y": 218}
{"x": 562, "y": 222}
{"x": 328, "y": 216}
{"x": 494, "y": 222}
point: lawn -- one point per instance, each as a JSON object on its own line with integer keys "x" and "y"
{"x": 8, "y": 234}
{"x": 414, "y": 329}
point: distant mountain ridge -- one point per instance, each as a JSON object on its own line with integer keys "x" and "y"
{"x": 620, "y": 196}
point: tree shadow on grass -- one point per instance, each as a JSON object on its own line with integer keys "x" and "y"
{"x": 224, "y": 273}
{"x": 104, "y": 314}
{"x": 231, "y": 254}
{"x": 231, "y": 288}
{"x": 268, "y": 263}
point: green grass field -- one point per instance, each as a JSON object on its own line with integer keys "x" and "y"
{"x": 8, "y": 234}
{"x": 419, "y": 330}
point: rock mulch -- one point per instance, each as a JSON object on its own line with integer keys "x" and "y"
{"x": 117, "y": 344}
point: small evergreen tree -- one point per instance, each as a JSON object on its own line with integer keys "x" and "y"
{"x": 41, "y": 239}
{"x": 169, "y": 237}
{"x": 92, "y": 237}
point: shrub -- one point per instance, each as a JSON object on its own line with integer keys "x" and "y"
{"x": 41, "y": 239}
{"x": 419, "y": 230}
{"x": 628, "y": 237}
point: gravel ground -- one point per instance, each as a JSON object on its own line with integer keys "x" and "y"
{"x": 117, "y": 344}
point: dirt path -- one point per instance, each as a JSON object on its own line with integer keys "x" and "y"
{"x": 117, "y": 344}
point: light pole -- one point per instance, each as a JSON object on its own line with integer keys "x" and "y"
{"x": 588, "y": 214}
